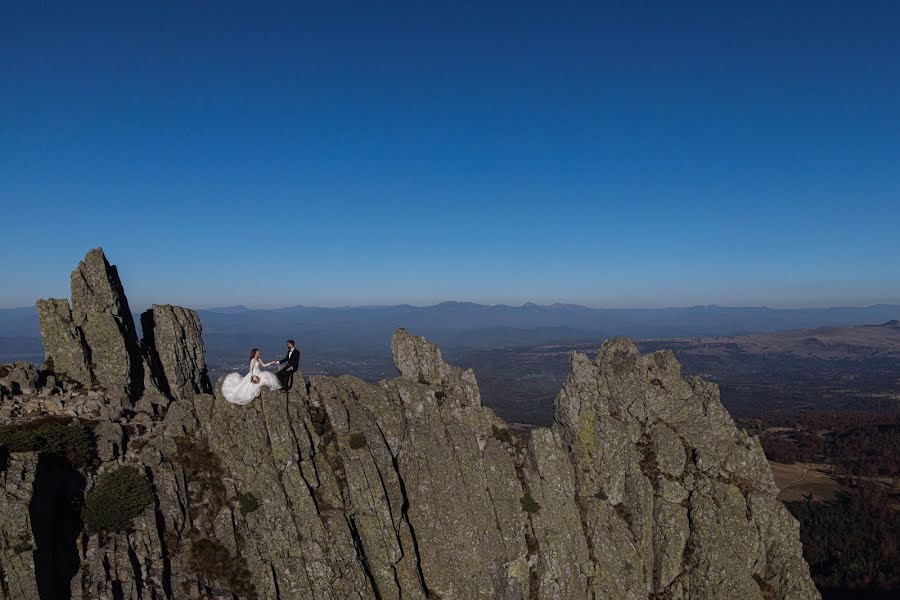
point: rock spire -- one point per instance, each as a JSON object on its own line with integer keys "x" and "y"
{"x": 94, "y": 342}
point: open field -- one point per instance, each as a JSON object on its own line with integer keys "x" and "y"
{"x": 799, "y": 480}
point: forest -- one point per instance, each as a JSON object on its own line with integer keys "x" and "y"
{"x": 856, "y": 444}
{"x": 851, "y": 542}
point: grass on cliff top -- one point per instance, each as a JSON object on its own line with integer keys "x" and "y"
{"x": 502, "y": 435}
{"x": 63, "y": 437}
{"x": 116, "y": 499}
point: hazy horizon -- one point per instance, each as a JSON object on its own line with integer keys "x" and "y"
{"x": 138, "y": 307}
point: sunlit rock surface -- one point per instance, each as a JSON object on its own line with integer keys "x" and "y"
{"x": 407, "y": 488}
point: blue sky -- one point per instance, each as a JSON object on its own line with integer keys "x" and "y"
{"x": 610, "y": 154}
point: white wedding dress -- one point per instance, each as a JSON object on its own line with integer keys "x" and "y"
{"x": 239, "y": 389}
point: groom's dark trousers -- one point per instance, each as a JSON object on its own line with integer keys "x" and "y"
{"x": 286, "y": 374}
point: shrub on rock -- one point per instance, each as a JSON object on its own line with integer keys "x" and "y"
{"x": 247, "y": 502}
{"x": 116, "y": 499}
{"x": 67, "y": 438}
{"x": 502, "y": 435}
{"x": 528, "y": 504}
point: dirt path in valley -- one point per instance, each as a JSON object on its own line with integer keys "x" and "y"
{"x": 801, "y": 478}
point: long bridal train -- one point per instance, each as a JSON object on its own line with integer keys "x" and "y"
{"x": 238, "y": 389}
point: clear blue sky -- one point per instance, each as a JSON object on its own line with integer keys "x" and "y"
{"x": 610, "y": 154}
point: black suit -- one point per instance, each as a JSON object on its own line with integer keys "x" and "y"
{"x": 286, "y": 374}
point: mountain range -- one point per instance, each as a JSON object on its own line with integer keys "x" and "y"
{"x": 470, "y": 325}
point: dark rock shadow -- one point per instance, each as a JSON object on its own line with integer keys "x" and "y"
{"x": 55, "y": 514}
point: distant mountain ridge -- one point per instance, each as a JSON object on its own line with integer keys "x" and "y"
{"x": 238, "y": 308}
{"x": 469, "y": 324}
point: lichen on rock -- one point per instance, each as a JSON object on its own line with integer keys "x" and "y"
{"x": 405, "y": 488}
{"x": 94, "y": 343}
{"x": 643, "y": 488}
{"x": 19, "y": 378}
{"x": 66, "y": 352}
{"x": 173, "y": 337}
{"x": 100, "y": 310}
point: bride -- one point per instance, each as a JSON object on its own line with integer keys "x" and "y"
{"x": 242, "y": 390}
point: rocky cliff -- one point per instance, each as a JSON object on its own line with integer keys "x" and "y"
{"x": 408, "y": 488}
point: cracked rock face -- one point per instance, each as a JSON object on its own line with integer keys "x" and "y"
{"x": 94, "y": 344}
{"x": 16, "y": 556}
{"x": 19, "y": 378}
{"x": 172, "y": 335}
{"x": 100, "y": 310}
{"x": 65, "y": 350}
{"x": 409, "y": 488}
{"x": 664, "y": 476}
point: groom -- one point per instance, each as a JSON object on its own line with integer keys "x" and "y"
{"x": 286, "y": 374}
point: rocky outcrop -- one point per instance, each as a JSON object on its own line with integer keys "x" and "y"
{"x": 65, "y": 350}
{"x": 19, "y": 378}
{"x": 172, "y": 335}
{"x": 95, "y": 345}
{"x": 17, "y": 567}
{"x": 100, "y": 310}
{"x": 408, "y": 488}
{"x": 662, "y": 474}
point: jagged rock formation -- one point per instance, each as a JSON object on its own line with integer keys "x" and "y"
{"x": 64, "y": 346}
{"x": 662, "y": 474}
{"x": 100, "y": 310}
{"x": 172, "y": 335}
{"x": 409, "y": 488}
{"x": 17, "y": 559}
{"x": 94, "y": 343}
{"x": 19, "y": 378}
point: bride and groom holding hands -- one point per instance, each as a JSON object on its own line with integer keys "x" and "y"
{"x": 239, "y": 389}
